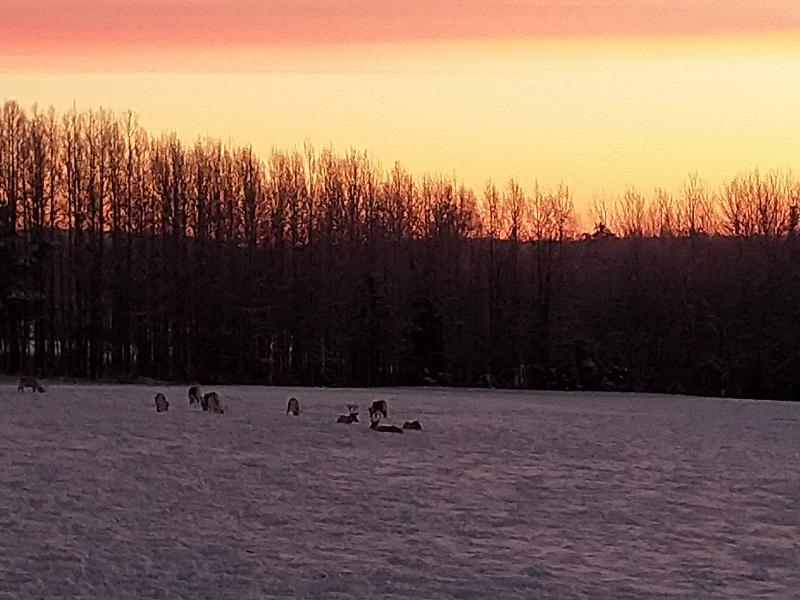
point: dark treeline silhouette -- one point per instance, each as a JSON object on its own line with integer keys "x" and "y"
{"x": 123, "y": 255}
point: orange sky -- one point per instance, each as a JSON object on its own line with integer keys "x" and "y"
{"x": 83, "y": 26}
{"x": 599, "y": 93}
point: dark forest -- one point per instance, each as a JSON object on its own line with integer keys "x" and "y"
{"x": 125, "y": 255}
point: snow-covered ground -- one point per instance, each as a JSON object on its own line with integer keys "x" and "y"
{"x": 503, "y": 495}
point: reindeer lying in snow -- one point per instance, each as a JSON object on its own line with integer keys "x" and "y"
{"x": 194, "y": 395}
{"x": 293, "y": 407}
{"x": 375, "y": 419}
{"x": 351, "y": 416}
{"x": 386, "y": 428}
{"x": 162, "y": 405}
{"x": 31, "y": 382}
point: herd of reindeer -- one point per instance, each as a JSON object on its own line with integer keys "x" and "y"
{"x": 377, "y": 409}
{"x": 210, "y": 402}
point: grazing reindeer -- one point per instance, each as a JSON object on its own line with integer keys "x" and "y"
{"x": 212, "y": 404}
{"x": 162, "y": 404}
{"x": 378, "y": 407}
{"x": 31, "y": 382}
{"x": 293, "y": 407}
{"x": 194, "y": 395}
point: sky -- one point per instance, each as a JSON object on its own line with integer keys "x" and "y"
{"x": 599, "y": 94}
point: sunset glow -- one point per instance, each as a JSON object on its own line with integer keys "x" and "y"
{"x": 600, "y": 95}
{"x": 62, "y": 25}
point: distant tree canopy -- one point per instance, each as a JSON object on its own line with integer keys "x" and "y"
{"x": 127, "y": 255}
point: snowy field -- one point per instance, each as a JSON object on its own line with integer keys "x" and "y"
{"x": 503, "y": 495}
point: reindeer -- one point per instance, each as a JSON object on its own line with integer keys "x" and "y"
{"x": 162, "y": 405}
{"x": 194, "y": 395}
{"x": 414, "y": 425}
{"x": 351, "y": 416}
{"x": 293, "y": 407}
{"x": 378, "y": 407}
{"x": 211, "y": 403}
{"x": 386, "y": 428}
{"x": 375, "y": 419}
{"x": 31, "y": 382}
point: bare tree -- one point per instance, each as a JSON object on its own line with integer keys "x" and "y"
{"x": 629, "y": 214}
{"x": 696, "y": 209}
{"x": 661, "y": 216}
{"x": 514, "y": 209}
{"x": 127, "y": 254}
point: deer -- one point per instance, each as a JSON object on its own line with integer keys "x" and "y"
{"x": 293, "y": 407}
{"x": 31, "y": 382}
{"x": 194, "y": 395}
{"x": 211, "y": 403}
{"x": 351, "y": 416}
{"x": 374, "y": 423}
{"x": 414, "y": 425}
{"x": 162, "y": 404}
{"x": 378, "y": 407}
{"x": 385, "y": 428}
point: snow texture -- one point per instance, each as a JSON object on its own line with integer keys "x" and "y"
{"x": 502, "y": 495}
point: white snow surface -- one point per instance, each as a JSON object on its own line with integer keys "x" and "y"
{"x": 502, "y": 495}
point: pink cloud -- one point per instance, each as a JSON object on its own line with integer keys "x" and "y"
{"x": 86, "y": 26}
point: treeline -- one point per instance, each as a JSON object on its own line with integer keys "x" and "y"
{"x": 126, "y": 255}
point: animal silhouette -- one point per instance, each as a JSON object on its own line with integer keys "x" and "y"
{"x": 211, "y": 403}
{"x": 162, "y": 404}
{"x": 194, "y": 395}
{"x": 31, "y": 382}
{"x": 378, "y": 407}
{"x": 385, "y": 428}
